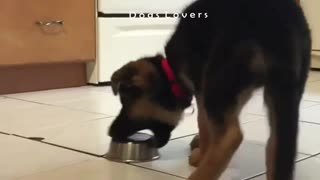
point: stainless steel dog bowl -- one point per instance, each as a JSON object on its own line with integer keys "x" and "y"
{"x": 137, "y": 148}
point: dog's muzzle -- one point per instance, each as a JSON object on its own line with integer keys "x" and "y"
{"x": 123, "y": 127}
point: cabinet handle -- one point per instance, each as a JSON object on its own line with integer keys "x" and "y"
{"x": 50, "y": 23}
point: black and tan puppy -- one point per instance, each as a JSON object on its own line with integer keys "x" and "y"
{"x": 221, "y": 59}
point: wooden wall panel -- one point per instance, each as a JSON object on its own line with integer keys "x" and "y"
{"x": 26, "y": 78}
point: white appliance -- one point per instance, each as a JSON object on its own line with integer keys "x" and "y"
{"x": 121, "y": 39}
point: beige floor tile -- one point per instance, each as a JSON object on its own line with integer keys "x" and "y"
{"x": 308, "y": 169}
{"x": 248, "y": 160}
{"x": 103, "y": 103}
{"x": 305, "y": 170}
{"x": 88, "y": 98}
{"x": 21, "y": 157}
{"x": 60, "y": 95}
{"x": 88, "y": 136}
{"x": 91, "y": 136}
{"x": 189, "y": 124}
{"x": 100, "y": 170}
{"x": 25, "y": 118}
{"x": 258, "y": 131}
{"x": 312, "y": 91}
{"x": 311, "y": 114}
{"x": 314, "y": 76}
{"x": 256, "y": 105}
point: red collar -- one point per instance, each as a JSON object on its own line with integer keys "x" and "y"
{"x": 176, "y": 88}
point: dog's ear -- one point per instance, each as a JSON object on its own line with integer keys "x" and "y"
{"x": 134, "y": 75}
{"x": 122, "y": 77}
{"x": 115, "y": 82}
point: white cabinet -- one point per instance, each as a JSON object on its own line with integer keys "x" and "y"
{"x": 123, "y": 39}
{"x": 152, "y": 6}
{"x": 120, "y": 40}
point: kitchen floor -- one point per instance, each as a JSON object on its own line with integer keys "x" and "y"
{"x": 62, "y": 134}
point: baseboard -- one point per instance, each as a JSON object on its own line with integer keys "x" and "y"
{"x": 315, "y": 63}
{"x": 16, "y": 79}
{"x": 101, "y": 84}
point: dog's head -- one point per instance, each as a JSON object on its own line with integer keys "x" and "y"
{"x": 147, "y": 101}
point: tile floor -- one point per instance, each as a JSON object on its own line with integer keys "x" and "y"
{"x": 74, "y": 122}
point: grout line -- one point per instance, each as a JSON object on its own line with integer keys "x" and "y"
{"x": 198, "y": 133}
{"x": 308, "y": 122}
{"x": 81, "y": 110}
{"x": 302, "y": 153}
{"x": 316, "y": 104}
{"x": 181, "y": 137}
{"x": 312, "y": 81}
{"x": 308, "y": 157}
{"x": 28, "y": 101}
{"x": 157, "y": 171}
{"x": 4, "y": 133}
{"x": 303, "y": 108}
{"x": 296, "y": 161}
{"x": 91, "y": 154}
{"x": 254, "y": 176}
{"x": 300, "y": 121}
{"x": 95, "y": 119}
{"x": 56, "y": 145}
{"x": 311, "y": 101}
{"x": 53, "y": 105}
{"x": 135, "y": 165}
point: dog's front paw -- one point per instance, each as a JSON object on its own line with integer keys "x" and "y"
{"x": 195, "y": 157}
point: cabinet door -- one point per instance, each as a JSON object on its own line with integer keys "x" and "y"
{"x": 46, "y": 31}
{"x": 125, "y": 39}
{"x": 312, "y": 11}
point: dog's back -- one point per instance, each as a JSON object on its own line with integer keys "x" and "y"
{"x": 231, "y": 24}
